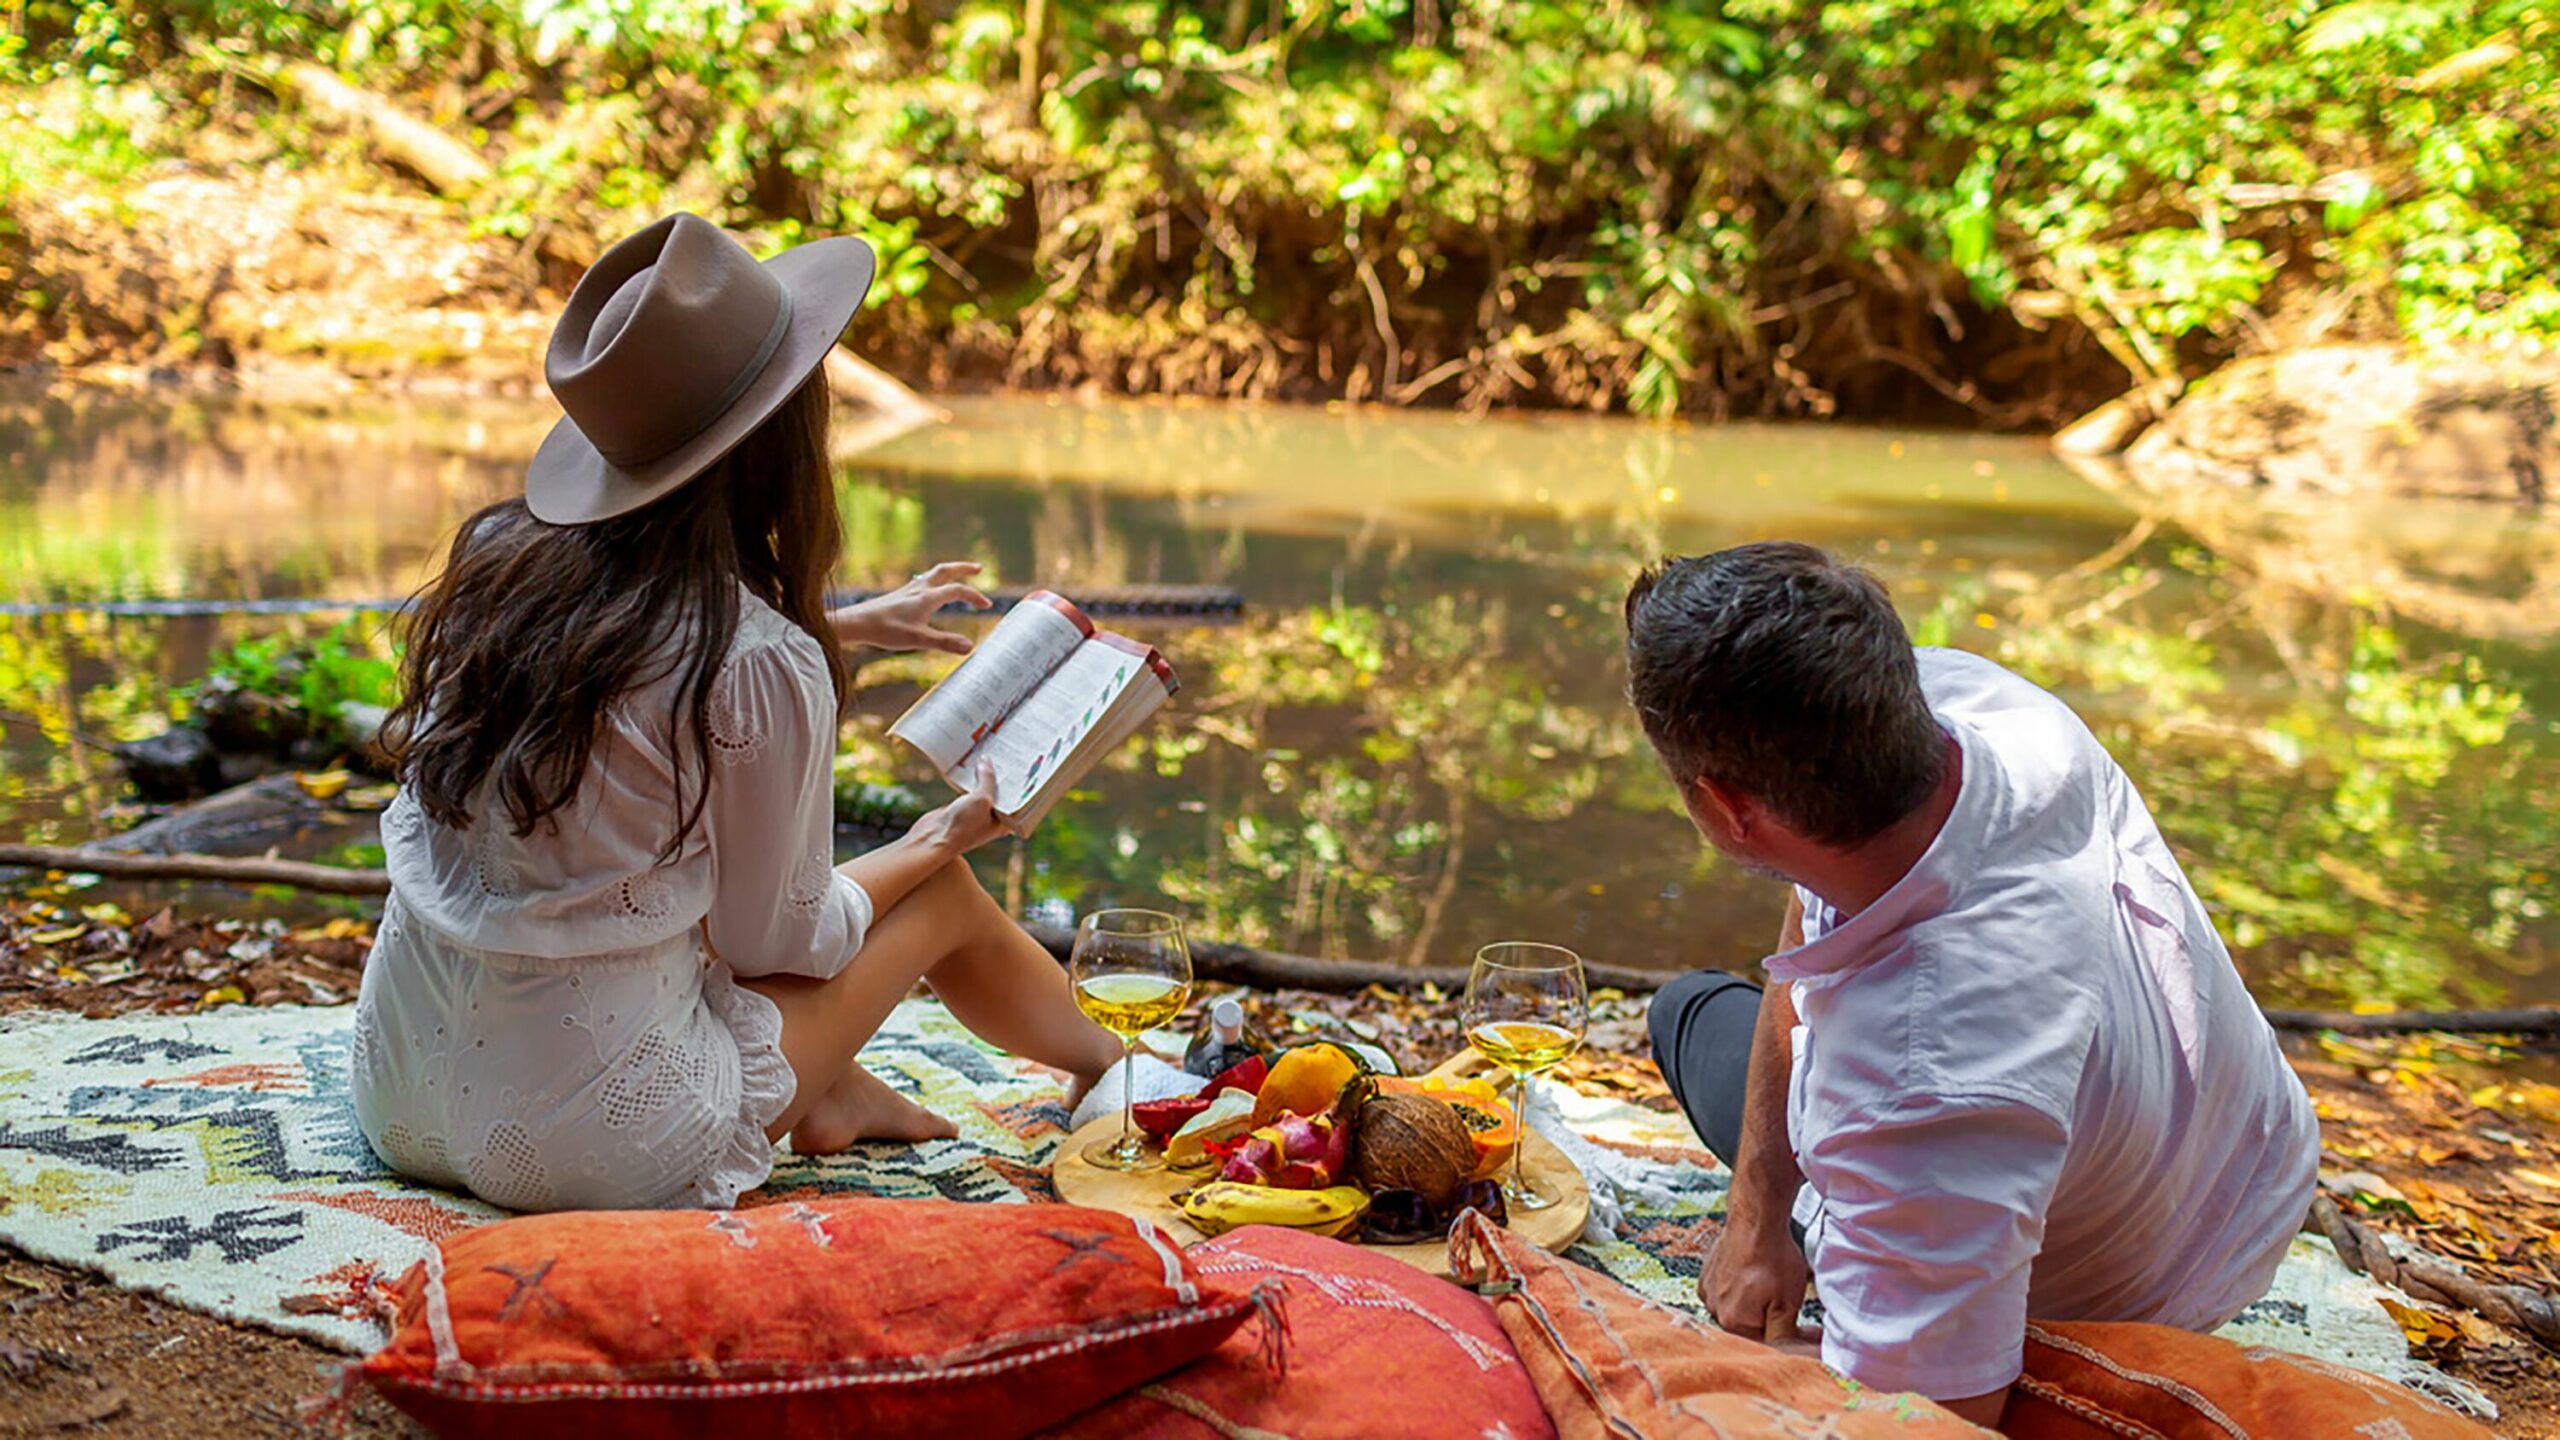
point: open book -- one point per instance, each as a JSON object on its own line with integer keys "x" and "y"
{"x": 1045, "y": 696}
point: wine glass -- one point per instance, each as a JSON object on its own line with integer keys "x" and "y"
{"x": 1525, "y": 1010}
{"x": 1132, "y": 973}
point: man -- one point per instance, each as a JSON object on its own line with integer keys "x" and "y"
{"x": 2004, "y": 1067}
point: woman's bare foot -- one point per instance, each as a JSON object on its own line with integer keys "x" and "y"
{"x": 863, "y": 1107}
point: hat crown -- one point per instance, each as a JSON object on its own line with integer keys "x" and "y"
{"x": 661, "y": 336}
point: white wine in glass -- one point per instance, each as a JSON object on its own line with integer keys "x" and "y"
{"x": 1525, "y": 1010}
{"x": 1132, "y": 973}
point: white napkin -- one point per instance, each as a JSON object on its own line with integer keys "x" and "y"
{"x": 1155, "y": 1080}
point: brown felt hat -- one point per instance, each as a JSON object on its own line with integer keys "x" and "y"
{"x": 673, "y": 348}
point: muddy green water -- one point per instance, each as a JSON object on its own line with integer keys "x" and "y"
{"x": 1415, "y": 740}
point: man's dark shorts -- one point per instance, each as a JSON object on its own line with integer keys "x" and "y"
{"x": 1702, "y": 1025}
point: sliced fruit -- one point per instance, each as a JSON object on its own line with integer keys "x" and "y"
{"x": 1160, "y": 1119}
{"x": 1246, "y": 1075}
{"x": 1490, "y": 1120}
{"x": 1493, "y": 1126}
{"x": 1293, "y": 1152}
{"x": 1222, "y": 1119}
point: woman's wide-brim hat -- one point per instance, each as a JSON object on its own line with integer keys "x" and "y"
{"x": 674, "y": 347}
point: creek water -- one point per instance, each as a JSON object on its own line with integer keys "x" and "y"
{"x": 1415, "y": 740}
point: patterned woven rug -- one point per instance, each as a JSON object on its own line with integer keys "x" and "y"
{"x": 214, "y": 1159}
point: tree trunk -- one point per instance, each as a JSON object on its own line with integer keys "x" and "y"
{"x": 449, "y": 166}
{"x": 1035, "y": 49}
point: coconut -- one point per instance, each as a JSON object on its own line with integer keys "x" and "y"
{"x": 1407, "y": 1142}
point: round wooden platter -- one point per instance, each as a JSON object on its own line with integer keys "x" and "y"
{"x": 1149, "y": 1196}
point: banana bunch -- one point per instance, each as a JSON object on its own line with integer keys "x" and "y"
{"x": 1223, "y": 1205}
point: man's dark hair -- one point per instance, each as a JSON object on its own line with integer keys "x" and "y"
{"x": 1780, "y": 672}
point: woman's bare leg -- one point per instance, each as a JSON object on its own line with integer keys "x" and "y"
{"x": 997, "y": 980}
{"x": 863, "y": 1107}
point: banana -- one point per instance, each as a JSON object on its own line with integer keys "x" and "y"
{"x": 1222, "y": 1205}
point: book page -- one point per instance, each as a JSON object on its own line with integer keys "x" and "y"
{"x": 972, "y": 703}
{"x": 1143, "y": 696}
{"x": 1031, "y": 751}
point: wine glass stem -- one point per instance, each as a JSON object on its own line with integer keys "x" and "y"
{"x": 1520, "y": 1151}
{"x": 1128, "y": 1094}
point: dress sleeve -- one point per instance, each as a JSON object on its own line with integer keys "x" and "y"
{"x": 1932, "y": 1213}
{"x": 778, "y": 905}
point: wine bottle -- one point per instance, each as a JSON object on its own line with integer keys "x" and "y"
{"x": 1226, "y": 1040}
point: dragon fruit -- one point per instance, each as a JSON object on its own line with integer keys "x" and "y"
{"x": 1291, "y": 1153}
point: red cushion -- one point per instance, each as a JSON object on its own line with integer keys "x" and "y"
{"x": 1377, "y": 1348}
{"x": 2096, "y": 1382}
{"x": 874, "y": 1317}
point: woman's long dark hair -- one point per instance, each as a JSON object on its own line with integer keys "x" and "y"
{"x": 517, "y": 650}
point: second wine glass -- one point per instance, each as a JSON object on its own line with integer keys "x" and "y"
{"x": 1132, "y": 973}
{"x": 1526, "y": 1007}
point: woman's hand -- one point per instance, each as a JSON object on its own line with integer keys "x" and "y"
{"x": 965, "y": 823}
{"x": 903, "y": 618}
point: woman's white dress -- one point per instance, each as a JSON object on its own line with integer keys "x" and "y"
{"x": 540, "y": 1022}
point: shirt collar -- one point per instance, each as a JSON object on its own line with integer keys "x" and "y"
{"x": 1923, "y": 891}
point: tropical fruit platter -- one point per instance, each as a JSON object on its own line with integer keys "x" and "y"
{"x": 1315, "y": 1139}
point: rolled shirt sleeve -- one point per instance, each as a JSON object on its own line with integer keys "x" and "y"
{"x": 778, "y": 906}
{"x": 1932, "y": 1212}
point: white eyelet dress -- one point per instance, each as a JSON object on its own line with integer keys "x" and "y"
{"x": 540, "y": 1023}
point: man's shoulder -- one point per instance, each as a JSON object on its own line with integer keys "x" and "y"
{"x": 1975, "y": 688}
{"x": 1964, "y": 1010}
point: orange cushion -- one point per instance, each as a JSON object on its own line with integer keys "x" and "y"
{"x": 2102, "y": 1382}
{"x": 872, "y": 1317}
{"x": 1609, "y": 1363}
{"x": 1377, "y": 1348}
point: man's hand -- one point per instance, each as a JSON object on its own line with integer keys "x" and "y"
{"x": 1754, "y": 1283}
{"x": 903, "y": 618}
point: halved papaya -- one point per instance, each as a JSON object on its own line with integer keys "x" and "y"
{"x": 1490, "y": 1120}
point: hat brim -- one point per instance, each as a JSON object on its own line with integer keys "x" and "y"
{"x": 570, "y": 483}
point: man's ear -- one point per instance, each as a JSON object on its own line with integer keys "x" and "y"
{"x": 1726, "y": 813}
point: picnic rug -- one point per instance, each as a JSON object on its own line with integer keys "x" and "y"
{"x": 214, "y": 1159}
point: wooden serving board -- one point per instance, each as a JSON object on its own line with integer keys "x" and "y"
{"x": 1149, "y": 1195}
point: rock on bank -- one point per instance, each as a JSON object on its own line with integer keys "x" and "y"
{"x": 2366, "y": 420}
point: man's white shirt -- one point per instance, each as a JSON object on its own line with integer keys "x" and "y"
{"x": 2028, "y": 1080}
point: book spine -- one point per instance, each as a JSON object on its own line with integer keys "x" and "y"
{"x": 1064, "y": 606}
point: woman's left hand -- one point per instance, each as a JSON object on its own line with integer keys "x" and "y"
{"x": 903, "y": 618}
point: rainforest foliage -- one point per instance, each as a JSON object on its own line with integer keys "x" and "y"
{"x": 1997, "y": 210}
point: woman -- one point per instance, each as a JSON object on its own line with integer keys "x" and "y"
{"x": 616, "y": 965}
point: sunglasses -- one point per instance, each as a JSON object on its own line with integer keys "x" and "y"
{"x": 1403, "y": 1217}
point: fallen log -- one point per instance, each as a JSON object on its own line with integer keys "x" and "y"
{"x": 1271, "y": 970}
{"x": 2537, "y": 1022}
{"x": 2433, "y": 1278}
{"x": 459, "y": 171}
{"x": 1210, "y": 959}
{"x": 223, "y": 869}
{"x": 1207, "y": 601}
{"x": 448, "y": 165}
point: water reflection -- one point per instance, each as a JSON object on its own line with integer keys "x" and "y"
{"x": 1416, "y": 741}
